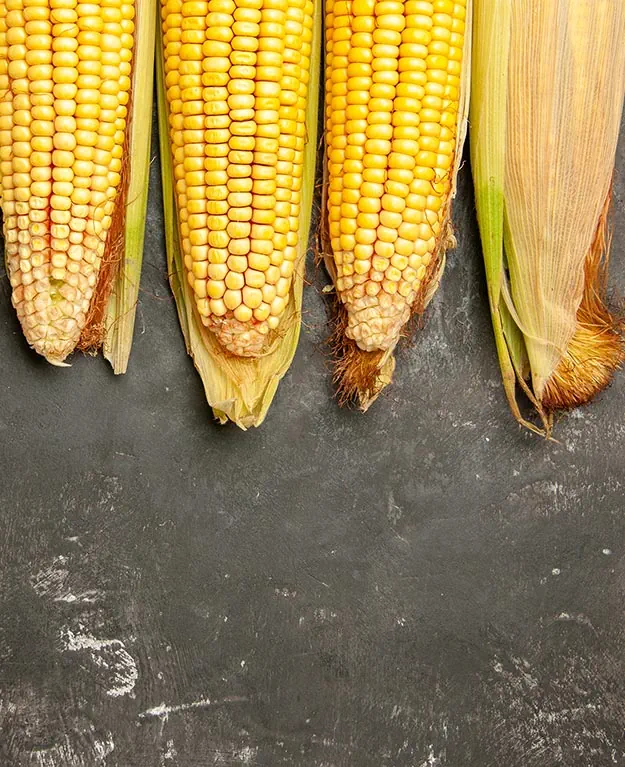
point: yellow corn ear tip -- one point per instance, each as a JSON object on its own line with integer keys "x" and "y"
{"x": 241, "y": 339}
{"x": 359, "y": 376}
{"x": 55, "y": 351}
{"x": 375, "y": 323}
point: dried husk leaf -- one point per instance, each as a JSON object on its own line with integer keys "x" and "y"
{"x": 241, "y": 389}
{"x": 548, "y": 80}
{"x": 359, "y": 376}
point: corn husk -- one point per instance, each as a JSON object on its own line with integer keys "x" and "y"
{"x": 359, "y": 376}
{"x": 122, "y": 304}
{"x": 548, "y": 87}
{"x": 240, "y": 389}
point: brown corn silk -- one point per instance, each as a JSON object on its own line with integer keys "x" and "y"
{"x": 66, "y": 75}
{"x": 397, "y": 94}
{"x": 241, "y": 348}
{"x": 548, "y": 87}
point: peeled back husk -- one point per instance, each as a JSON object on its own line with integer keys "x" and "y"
{"x": 548, "y": 88}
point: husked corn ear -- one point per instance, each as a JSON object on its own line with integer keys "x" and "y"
{"x": 236, "y": 77}
{"x": 65, "y": 70}
{"x": 392, "y": 98}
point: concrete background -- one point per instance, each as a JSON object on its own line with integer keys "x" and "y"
{"x": 424, "y": 586}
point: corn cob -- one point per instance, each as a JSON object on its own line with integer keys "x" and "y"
{"x": 65, "y": 80}
{"x": 236, "y": 78}
{"x": 394, "y": 129}
{"x": 239, "y": 389}
{"x": 549, "y": 85}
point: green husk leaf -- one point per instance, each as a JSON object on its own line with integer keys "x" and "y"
{"x": 240, "y": 389}
{"x": 492, "y": 20}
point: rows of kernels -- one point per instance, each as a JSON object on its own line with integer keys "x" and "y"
{"x": 190, "y": 144}
{"x": 265, "y": 255}
{"x": 53, "y": 48}
{"x": 6, "y": 106}
{"x": 291, "y": 142}
{"x": 336, "y": 104}
{"x": 239, "y": 210}
{"x": 6, "y": 138}
{"x": 393, "y": 149}
{"x": 64, "y": 183}
{"x": 27, "y": 227}
{"x": 111, "y": 74}
{"x": 245, "y": 83}
{"x": 172, "y": 31}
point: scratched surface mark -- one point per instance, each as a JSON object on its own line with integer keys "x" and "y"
{"x": 426, "y": 586}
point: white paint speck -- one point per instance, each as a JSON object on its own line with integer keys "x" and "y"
{"x": 162, "y": 711}
{"x": 246, "y": 755}
{"x": 323, "y": 614}
{"x": 242, "y": 664}
{"x": 556, "y": 571}
{"x": 394, "y": 512}
{"x": 108, "y": 654}
{"x": 574, "y": 618}
{"x": 52, "y": 581}
{"x": 607, "y": 552}
{"x": 168, "y": 754}
{"x": 285, "y": 592}
{"x": 65, "y": 754}
{"x": 432, "y": 759}
{"x": 102, "y": 749}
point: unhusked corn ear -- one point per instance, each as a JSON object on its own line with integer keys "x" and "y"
{"x": 236, "y": 78}
{"x": 65, "y": 69}
{"x": 542, "y": 70}
{"x": 393, "y": 82}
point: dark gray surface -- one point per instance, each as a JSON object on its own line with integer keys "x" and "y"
{"x": 424, "y": 586}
